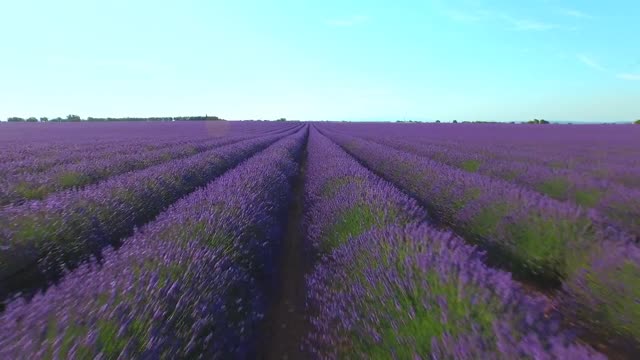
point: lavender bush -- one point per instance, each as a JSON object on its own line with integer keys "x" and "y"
{"x": 37, "y": 185}
{"x": 407, "y": 292}
{"x": 539, "y": 233}
{"x": 415, "y": 292}
{"x": 414, "y": 227}
{"x": 185, "y": 286}
{"x": 68, "y": 226}
{"x": 541, "y": 237}
{"x": 32, "y": 149}
{"x": 345, "y": 199}
{"x": 603, "y": 152}
{"x": 618, "y": 204}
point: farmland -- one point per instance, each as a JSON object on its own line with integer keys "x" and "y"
{"x": 216, "y": 239}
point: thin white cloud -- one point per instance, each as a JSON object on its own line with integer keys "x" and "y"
{"x": 629, "y": 76}
{"x": 575, "y": 13}
{"x": 590, "y": 62}
{"x": 525, "y": 24}
{"x": 521, "y": 24}
{"x": 462, "y": 16}
{"x": 350, "y": 21}
{"x": 515, "y": 23}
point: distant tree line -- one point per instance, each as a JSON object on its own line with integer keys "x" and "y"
{"x": 536, "y": 121}
{"x": 637, "y": 122}
{"x": 76, "y": 118}
{"x": 168, "y": 118}
{"x": 31, "y": 119}
{"x": 453, "y": 122}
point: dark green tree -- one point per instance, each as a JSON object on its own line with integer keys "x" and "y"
{"x": 15, "y": 119}
{"x": 44, "y": 119}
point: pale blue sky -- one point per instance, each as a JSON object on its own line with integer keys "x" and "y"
{"x": 353, "y": 60}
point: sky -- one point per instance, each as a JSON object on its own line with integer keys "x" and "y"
{"x": 322, "y": 60}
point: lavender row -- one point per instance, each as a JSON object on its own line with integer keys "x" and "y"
{"x": 343, "y": 198}
{"x": 67, "y": 226}
{"x": 50, "y": 156}
{"x": 618, "y": 204}
{"x": 32, "y": 156}
{"x": 583, "y": 147}
{"x": 27, "y": 137}
{"x": 534, "y": 229}
{"x": 187, "y": 286}
{"x": 607, "y": 153}
{"x": 35, "y": 186}
{"x": 537, "y": 236}
{"x": 389, "y": 288}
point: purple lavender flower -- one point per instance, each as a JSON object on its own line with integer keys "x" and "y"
{"x": 187, "y": 285}
{"x": 65, "y": 228}
{"x": 384, "y": 290}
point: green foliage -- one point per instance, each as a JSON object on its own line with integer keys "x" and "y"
{"x": 588, "y": 198}
{"x": 622, "y": 212}
{"x": 29, "y": 192}
{"x": 407, "y": 326}
{"x": 540, "y": 243}
{"x": 628, "y": 274}
{"x": 72, "y": 179}
{"x": 412, "y": 323}
{"x": 552, "y": 248}
{"x": 351, "y": 223}
{"x": 560, "y": 189}
{"x": 470, "y": 165}
{"x": 111, "y": 344}
{"x": 333, "y": 186}
{"x": 637, "y": 122}
{"x": 557, "y": 188}
{"x": 71, "y": 335}
{"x": 359, "y": 219}
{"x": 617, "y": 289}
{"x": 486, "y": 221}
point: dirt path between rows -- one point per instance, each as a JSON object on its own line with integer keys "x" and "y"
{"x": 285, "y": 321}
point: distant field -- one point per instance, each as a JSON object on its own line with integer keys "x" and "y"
{"x": 217, "y": 239}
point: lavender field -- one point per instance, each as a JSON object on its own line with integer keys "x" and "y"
{"x": 323, "y": 240}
